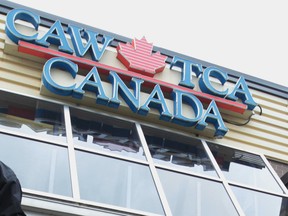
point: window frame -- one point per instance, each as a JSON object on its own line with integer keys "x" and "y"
{"x": 137, "y": 124}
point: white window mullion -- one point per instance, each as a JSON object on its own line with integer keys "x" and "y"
{"x": 224, "y": 181}
{"x": 274, "y": 174}
{"x": 153, "y": 170}
{"x": 71, "y": 154}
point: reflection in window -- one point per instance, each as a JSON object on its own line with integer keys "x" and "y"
{"x": 181, "y": 152}
{"x": 189, "y": 195}
{"x": 117, "y": 182}
{"x": 92, "y": 131}
{"x": 256, "y": 203}
{"x": 38, "y": 166}
{"x": 243, "y": 167}
{"x": 27, "y": 115}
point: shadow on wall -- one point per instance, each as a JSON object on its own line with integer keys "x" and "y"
{"x": 284, "y": 179}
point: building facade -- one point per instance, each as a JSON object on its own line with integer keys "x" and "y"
{"x": 93, "y": 123}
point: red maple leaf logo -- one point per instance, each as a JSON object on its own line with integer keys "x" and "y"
{"x": 138, "y": 57}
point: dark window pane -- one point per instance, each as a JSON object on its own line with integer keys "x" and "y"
{"x": 27, "y": 115}
{"x": 189, "y": 195}
{"x": 104, "y": 134}
{"x": 38, "y": 166}
{"x": 177, "y": 151}
{"x": 117, "y": 182}
{"x": 256, "y": 203}
{"x": 243, "y": 167}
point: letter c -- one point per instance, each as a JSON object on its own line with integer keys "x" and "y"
{"x": 25, "y": 15}
{"x": 60, "y": 63}
{"x": 205, "y": 84}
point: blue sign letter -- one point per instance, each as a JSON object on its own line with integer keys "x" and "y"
{"x": 56, "y": 36}
{"x": 179, "y": 97}
{"x": 60, "y": 63}
{"x": 91, "y": 45}
{"x": 156, "y": 100}
{"x": 205, "y": 84}
{"x": 213, "y": 116}
{"x": 94, "y": 85}
{"x": 187, "y": 68}
{"x": 24, "y": 15}
{"x": 241, "y": 91}
{"x": 118, "y": 85}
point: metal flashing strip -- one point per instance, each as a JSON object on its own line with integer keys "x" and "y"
{"x": 253, "y": 82}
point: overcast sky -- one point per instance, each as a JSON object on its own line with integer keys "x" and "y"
{"x": 247, "y": 36}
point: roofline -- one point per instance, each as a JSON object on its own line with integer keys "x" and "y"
{"x": 253, "y": 82}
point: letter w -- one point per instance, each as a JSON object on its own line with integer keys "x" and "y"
{"x": 77, "y": 34}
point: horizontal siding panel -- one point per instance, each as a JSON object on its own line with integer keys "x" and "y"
{"x": 259, "y": 143}
{"x": 271, "y": 122}
{"x": 266, "y": 128}
{"x": 2, "y": 18}
{"x": 269, "y": 98}
{"x": 260, "y": 120}
{"x": 20, "y": 69}
{"x": 18, "y": 88}
{"x": 267, "y": 105}
{"x": 258, "y": 134}
{"x": 2, "y": 26}
{"x": 22, "y": 61}
{"x": 19, "y": 79}
{"x": 271, "y": 153}
{"x": 2, "y": 36}
{"x": 275, "y": 115}
{"x": 2, "y": 44}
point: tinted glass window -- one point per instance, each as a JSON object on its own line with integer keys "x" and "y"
{"x": 256, "y": 203}
{"x": 31, "y": 116}
{"x": 104, "y": 134}
{"x": 244, "y": 167}
{"x": 188, "y": 195}
{"x": 38, "y": 166}
{"x": 117, "y": 182}
{"x": 177, "y": 151}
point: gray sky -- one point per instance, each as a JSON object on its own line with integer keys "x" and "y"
{"x": 248, "y": 36}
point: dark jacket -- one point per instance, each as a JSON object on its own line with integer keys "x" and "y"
{"x": 10, "y": 193}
